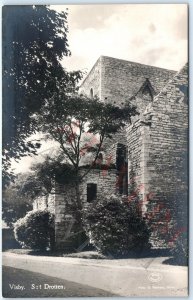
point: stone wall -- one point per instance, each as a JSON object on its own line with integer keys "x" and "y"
{"x": 116, "y": 81}
{"x": 51, "y": 202}
{"x": 158, "y": 153}
{"x": 168, "y": 145}
{"x": 63, "y": 221}
{"x": 56, "y": 203}
{"x": 40, "y": 202}
{"x": 122, "y": 79}
{"x": 105, "y": 180}
{"x": 157, "y": 142}
{"x": 93, "y": 81}
{"x": 167, "y": 156}
{"x": 110, "y": 146}
{"x": 45, "y": 202}
{"x": 135, "y": 154}
{"x": 106, "y": 184}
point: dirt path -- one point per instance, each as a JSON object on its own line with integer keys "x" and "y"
{"x": 132, "y": 277}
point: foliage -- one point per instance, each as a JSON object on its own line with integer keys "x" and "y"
{"x": 180, "y": 249}
{"x": 80, "y": 125}
{"x": 15, "y": 204}
{"x": 13, "y": 211}
{"x": 44, "y": 175}
{"x": 179, "y": 231}
{"x": 43, "y": 97}
{"x": 77, "y": 236}
{"x": 8, "y": 239}
{"x": 34, "y": 42}
{"x": 167, "y": 217}
{"x": 35, "y": 230}
{"x": 86, "y": 255}
{"x": 160, "y": 221}
{"x": 115, "y": 227}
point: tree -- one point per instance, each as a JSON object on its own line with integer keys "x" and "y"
{"x": 80, "y": 125}
{"x": 20, "y": 194}
{"x": 34, "y": 42}
{"x": 43, "y": 176}
{"x": 15, "y": 203}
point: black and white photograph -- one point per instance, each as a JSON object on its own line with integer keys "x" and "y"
{"x": 95, "y": 146}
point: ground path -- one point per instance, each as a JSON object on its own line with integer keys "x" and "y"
{"x": 126, "y": 277}
{"x": 38, "y": 285}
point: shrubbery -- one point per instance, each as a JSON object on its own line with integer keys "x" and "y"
{"x": 180, "y": 249}
{"x": 116, "y": 227}
{"x": 36, "y": 230}
{"x": 167, "y": 218}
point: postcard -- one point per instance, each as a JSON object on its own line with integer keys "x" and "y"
{"x": 95, "y": 150}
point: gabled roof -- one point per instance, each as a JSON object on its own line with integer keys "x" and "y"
{"x": 118, "y": 79}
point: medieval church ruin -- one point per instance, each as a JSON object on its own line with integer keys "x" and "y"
{"x": 154, "y": 145}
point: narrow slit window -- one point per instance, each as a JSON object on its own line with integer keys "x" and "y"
{"x": 91, "y": 93}
{"x": 122, "y": 169}
{"x": 91, "y": 192}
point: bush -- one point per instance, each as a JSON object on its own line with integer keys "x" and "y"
{"x": 167, "y": 217}
{"x": 180, "y": 249}
{"x": 36, "y": 230}
{"x": 116, "y": 227}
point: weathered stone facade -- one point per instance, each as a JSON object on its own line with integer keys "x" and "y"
{"x": 43, "y": 202}
{"x": 117, "y": 80}
{"x": 156, "y": 141}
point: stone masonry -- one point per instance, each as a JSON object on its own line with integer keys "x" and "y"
{"x": 156, "y": 142}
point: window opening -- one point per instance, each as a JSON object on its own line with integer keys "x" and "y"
{"x": 122, "y": 169}
{"x": 91, "y": 93}
{"x": 91, "y": 192}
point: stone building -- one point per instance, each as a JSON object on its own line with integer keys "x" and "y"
{"x": 154, "y": 147}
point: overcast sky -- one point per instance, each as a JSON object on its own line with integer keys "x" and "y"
{"x": 154, "y": 34}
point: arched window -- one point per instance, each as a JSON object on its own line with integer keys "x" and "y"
{"x": 91, "y": 93}
{"x": 99, "y": 160}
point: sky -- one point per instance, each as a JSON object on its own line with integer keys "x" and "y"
{"x": 152, "y": 34}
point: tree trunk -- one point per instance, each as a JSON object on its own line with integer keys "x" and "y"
{"x": 78, "y": 212}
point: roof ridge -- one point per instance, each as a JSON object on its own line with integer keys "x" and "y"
{"x": 133, "y": 62}
{"x": 170, "y": 81}
{"x": 97, "y": 61}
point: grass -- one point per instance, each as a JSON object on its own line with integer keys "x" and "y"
{"x": 87, "y": 255}
{"x": 84, "y": 254}
{"x": 96, "y": 255}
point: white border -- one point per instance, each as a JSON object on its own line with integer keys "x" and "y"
{"x": 46, "y": 2}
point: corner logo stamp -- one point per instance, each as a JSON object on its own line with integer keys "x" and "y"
{"x": 155, "y": 277}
